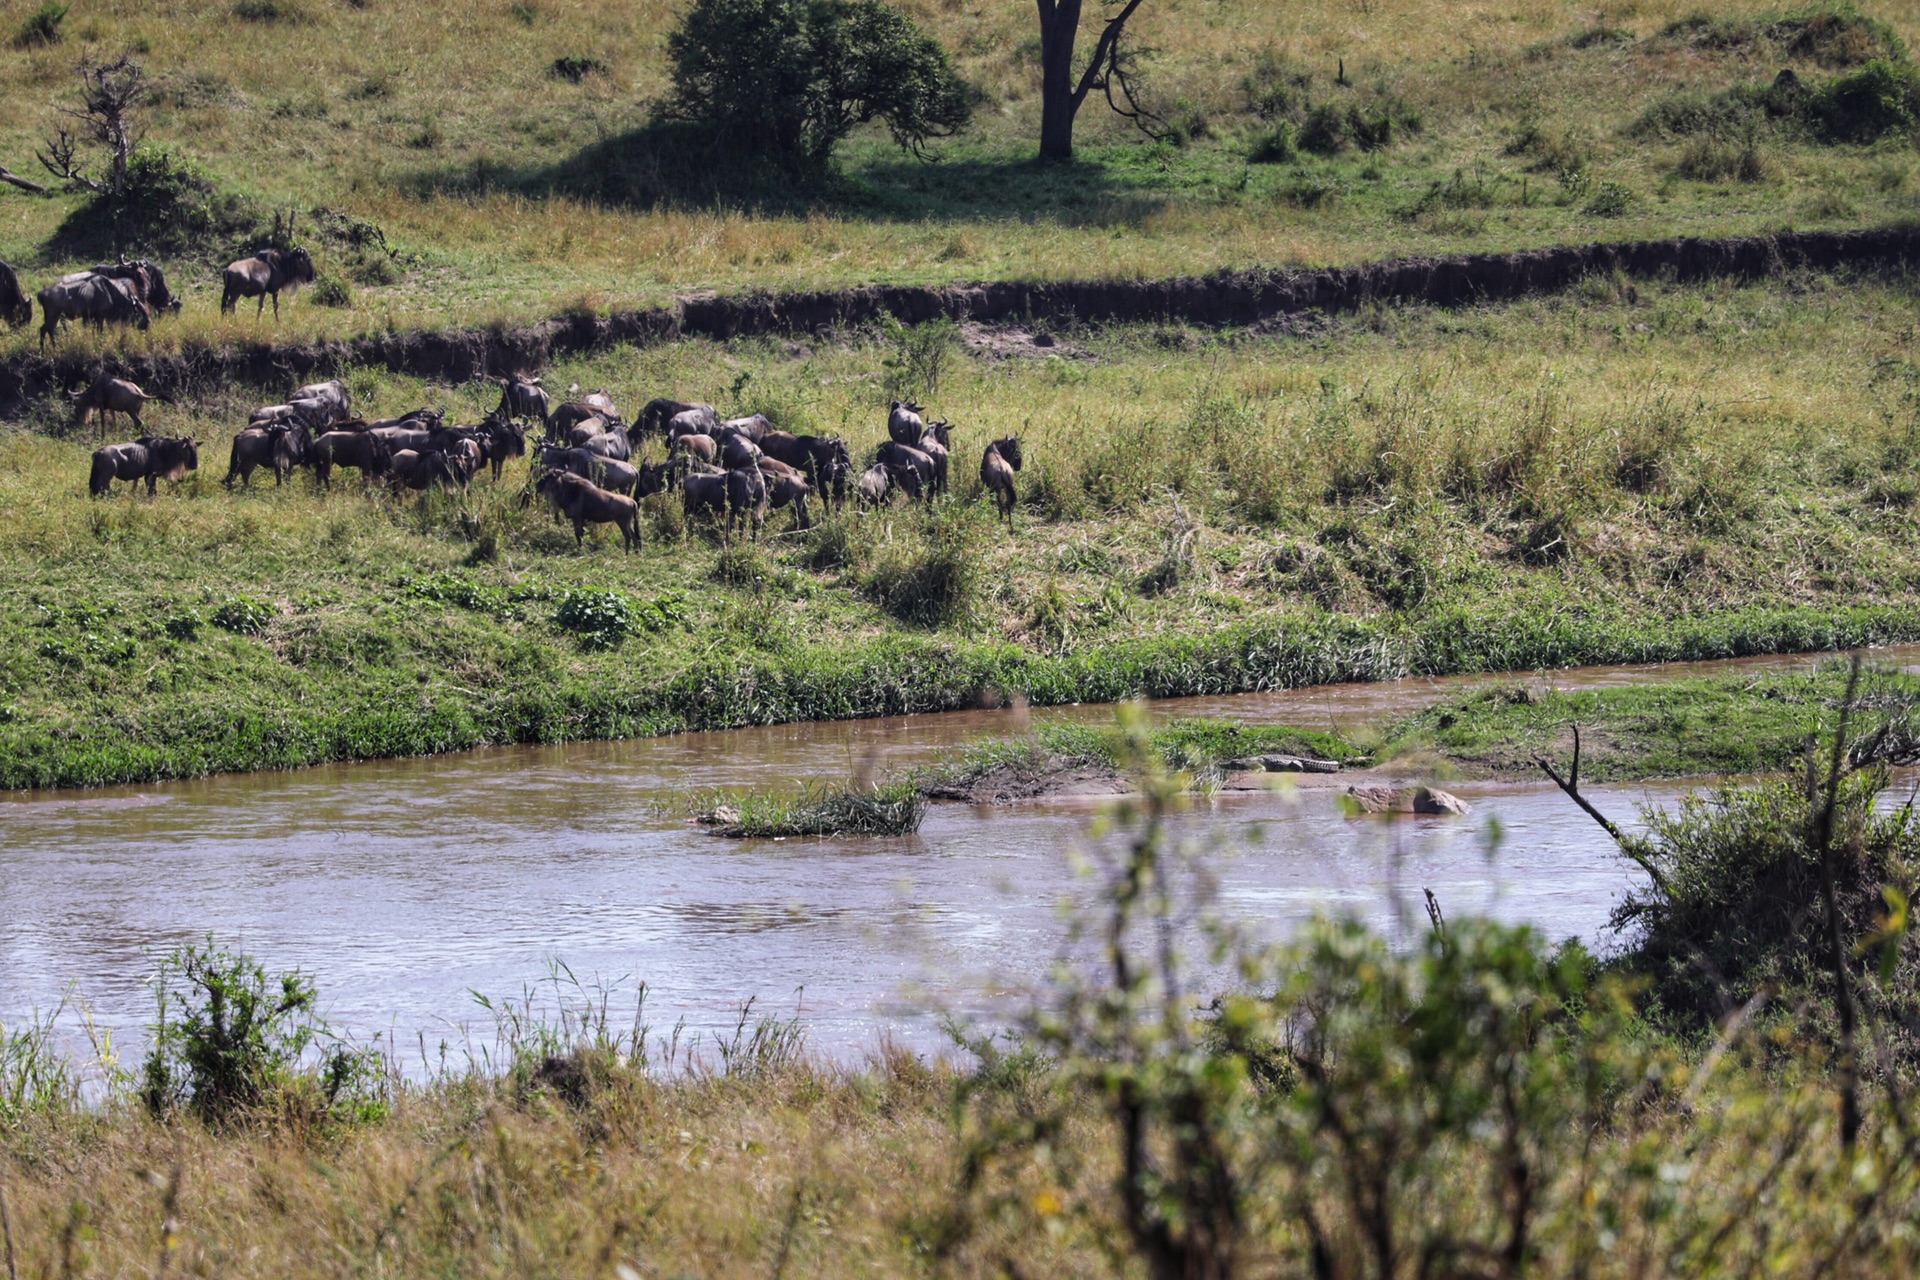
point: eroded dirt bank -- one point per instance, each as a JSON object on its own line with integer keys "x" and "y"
{"x": 1227, "y": 299}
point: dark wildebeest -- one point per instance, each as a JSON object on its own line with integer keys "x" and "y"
{"x": 282, "y": 446}
{"x": 997, "y": 466}
{"x": 701, "y": 447}
{"x": 613, "y": 476}
{"x": 522, "y": 397}
{"x": 93, "y": 300}
{"x": 569, "y": 415}
{"x": 108, "y": 394}
{"x": 904, "y": 424}
{"x": 908, "y": 458}
{"x": 146, "y": 280}
{"x": 655, "y": 418}
{"x": 787, "y": 486}
{"x": 877, "y": 483}
{"x": 263, "y": 276}
{"x": 585, "y": 503}
{"x": 15, "y": 309}
{"x": 415, "y": 470}
{"x": 737, "y": 452}
{"x": 361, "y": 449}
{"x": 936, "y": 443}
{"x": 824, "y": 459}
{"x": 148, "y": 458}
{"x": 752, "y": 428}
{"x": 504, "y": 440}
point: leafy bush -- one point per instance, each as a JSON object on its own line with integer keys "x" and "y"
{"x": 169, "y": 206}
{"x": 1276, "y": 145}
{"x": 819, "y": 69}
{"x": 938, "y": 583}
{"x": 604, "y": 618}
{"x": 1611, "y": 200}
{"x": 244, "y": 616}
{"x": 228, "y": 1042}
{"x": 575, "y": 68}
{"x": 42, "y": 26}
{"x": 330, "y": 291}
{"x": 919, "y": 357}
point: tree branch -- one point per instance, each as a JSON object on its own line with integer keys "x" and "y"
{"x": 25, "y": 184}
{"x": 1628, "y": 845}
{"x": 1103, "y": 53}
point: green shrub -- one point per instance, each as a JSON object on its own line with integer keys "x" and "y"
{"x": 286, "y": 11}
{"x": 1881, "y": 97}
{"x": 229, "y": 1042}
{"x": 169, "y": 206}
{"x": 1611, "y": 200}
{"x": 1275, "y": 145}
{"x": 937, "y": 583}
{"x": 42, "y": 26}
{"x": 604, "y": 618}
{"x": 818, "y": 70}
{"x": 330, "y": 291}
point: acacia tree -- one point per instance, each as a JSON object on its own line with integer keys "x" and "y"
{"x": 787, "y": 80}
{"x": 1062, "y": 90}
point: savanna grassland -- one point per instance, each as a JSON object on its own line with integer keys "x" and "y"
{"x": 509, "y": 192}
{"x": 1626, "y": 472}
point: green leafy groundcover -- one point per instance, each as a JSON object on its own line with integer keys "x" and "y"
{"x": 902, "y": 675}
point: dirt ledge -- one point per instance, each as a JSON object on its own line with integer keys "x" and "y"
{"x": 1256, "y": 297}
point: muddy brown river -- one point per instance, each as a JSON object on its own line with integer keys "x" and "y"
{"x": 405, "y": 886}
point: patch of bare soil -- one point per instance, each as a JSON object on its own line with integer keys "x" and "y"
{"x": 1017, "y": 341}
{"x": 1010, "y": 784}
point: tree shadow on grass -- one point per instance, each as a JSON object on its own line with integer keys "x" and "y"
{"x": 671, "y": 166}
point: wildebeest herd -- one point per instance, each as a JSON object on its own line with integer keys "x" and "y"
{"x": 134, "y": 293}
{"x": 586, "y": 461}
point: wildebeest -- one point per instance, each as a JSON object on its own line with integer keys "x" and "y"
{"x": 738, "y": 451}
{"x": 263, "y": 276}
{"x": 609, "y": 474}
{"x": 904, "y": 424}
{"x": 997, "y": 466}
{"x": 414, "y": 469}
{"x": 585, "y": 503}
{"x": 569, "y": 415}
{"x": 146, "y": 280}
{"x": 15, "y": 309}
{"x": 701, "y": 447}
{"x": 909, "y": 458}
{"x": 91, "y": 299}
{"x": 751, "y": 427}
{"x": 522, "y": 397}
{"x": 108, "y": 394}
{"x": 504, "y": 440}
{"x": 787, "y": 486}
{"x": 824, "y": 459}
{"x": 655, "y": 418}
{"x": 936, "y": 443}
{"x": 282, "y": 446}
{"x": 332, "y": 394}
{"x": 364, "y": 450}
{"x": 149, "y": 458}
{"x": 877, "y": 483}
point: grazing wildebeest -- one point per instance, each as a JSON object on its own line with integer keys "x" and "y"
{"x": 659, "y": 414}
{"x": 904, "y": 424}
{"x": 107, "y": 394}
{"x": 282, "y": 446}
{"x": 585, "y": 503}
{"x": 15, "y": 309}
{"x": 569, "y": 415}
{"x": 263, "y": 276}
{"x": 787, "y": 486}
{"x": 824, "y": 459}
{"x": 522, "y": 397}
{"x": 877, "y": 483}
{"x": 413, "y": 469}
{"x": 609, "y": 474}
{"x": 149, "y": 458}
{"x": 909, "y": 458}
{"x": 997, "y": 466}
{"x": 703, "y": 491}
{"x": 747, "y": 500}
{"x": 362, "y": 449}
{"x": 701, "y": 447}
{"x": 737, "y": 452}
{"x": 752, "y": 428}
{"x": 94, "y": 300}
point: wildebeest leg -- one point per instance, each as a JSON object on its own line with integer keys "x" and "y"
{"x": 579, "y": 529}
{"x": 260, "y": 307}
{"x": 800, "y": 517}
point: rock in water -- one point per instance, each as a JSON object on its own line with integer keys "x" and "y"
{"x": 1407, "y": 800}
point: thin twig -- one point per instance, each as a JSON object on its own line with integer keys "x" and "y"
{"x": 1628, "y": 845}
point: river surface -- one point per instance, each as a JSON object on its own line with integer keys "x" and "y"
{"x": 404, "y": 887}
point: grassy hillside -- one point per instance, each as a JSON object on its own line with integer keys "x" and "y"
{"x": 511, "y": 192}
{"x": 1618, "y": 474}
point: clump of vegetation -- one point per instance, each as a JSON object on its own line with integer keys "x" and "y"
{"x": 330, "y": 291}
{"x": 820, "y": 71}
{"x": 894, "y": 808}
{"x": 283, "y": 11}
{"x": 576, "y": 67}
{"x": 933, "y": 580}
{"x": 604, "y": 618}
{"x": 244, "y": 615}
{"x": 231, "y": 1043}
{"x": 42, "y": 26}
{"x": 1869, "y": 102}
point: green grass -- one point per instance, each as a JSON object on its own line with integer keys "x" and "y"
{"x": 1615, "y": 475}
{"x": 891, "y": 808}
{"x": 510, "y": 194}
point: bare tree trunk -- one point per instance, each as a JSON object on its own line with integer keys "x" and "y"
{"x": 1059, "y": 30}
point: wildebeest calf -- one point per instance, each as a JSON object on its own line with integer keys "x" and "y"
{"x": 997, "y": 466}
{"x": 108, "y": 394}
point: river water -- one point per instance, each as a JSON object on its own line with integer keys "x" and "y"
{"x": 405, "y": 886}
